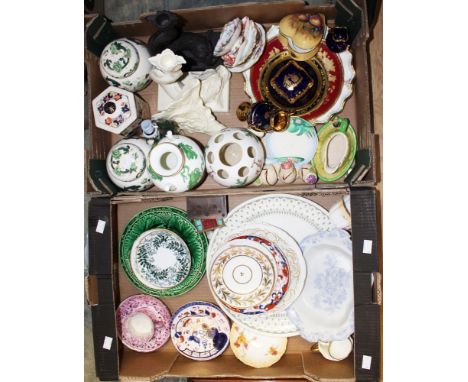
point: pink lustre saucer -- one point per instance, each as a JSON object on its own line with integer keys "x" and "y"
{"x": 143, "y": 323}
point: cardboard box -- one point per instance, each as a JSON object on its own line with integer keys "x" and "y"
{"x": 107, "y": 286}
{"x": 110, "y": 210}
{"x": 357, "y": 107}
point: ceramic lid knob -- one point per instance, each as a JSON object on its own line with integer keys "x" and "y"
{"x": 147, "y": 126}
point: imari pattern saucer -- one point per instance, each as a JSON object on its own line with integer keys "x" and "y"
{"x": 200, "y": 331}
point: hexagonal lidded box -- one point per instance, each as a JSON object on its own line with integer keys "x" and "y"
{"x": 119, "y": 111}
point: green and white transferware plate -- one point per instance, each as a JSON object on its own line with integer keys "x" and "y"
{"x": 174, "y": 220}
{"x": 336, "y": 149}
{"x": 160, "y": 258}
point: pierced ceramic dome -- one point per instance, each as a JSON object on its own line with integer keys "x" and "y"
{"x": 234, "y": 157}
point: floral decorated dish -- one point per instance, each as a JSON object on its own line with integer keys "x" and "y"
{"x": 199, "y": 331}
{"x": 281, "y": 281}
{"x": 174, "y": 220}
{"x": 160, "y": 258}
{"x": 274, "y": 322}
{"x": 242, "y": 276}
{"x": 143, "y": 323}
{"x": 325, "y": 309}
{"x": 229, "y": 35}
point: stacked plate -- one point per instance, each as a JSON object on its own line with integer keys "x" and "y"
{"x": 162, "y": 253}
{"x": 269, "y": 227}
{"x": 249, "y": 275}
{"x": 241, "y": 44}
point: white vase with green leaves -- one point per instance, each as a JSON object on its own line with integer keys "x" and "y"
{"x": 176, "y": 163}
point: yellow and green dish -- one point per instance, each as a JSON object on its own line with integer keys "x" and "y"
{"x": 174, "y": 220}
{"x": 333, "y": 128}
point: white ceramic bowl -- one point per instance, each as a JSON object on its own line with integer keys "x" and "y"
{"x": 124, "y": 63}
{"x": 234, "y": 157}
{"x": 256, "y": 350}
{"x": 126, "y": 164}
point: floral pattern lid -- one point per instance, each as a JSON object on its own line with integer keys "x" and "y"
{"x": 114, "y": 109}
{"x": 160, "y": 258}
{"x": 126, "y": 161}
{"x": 120, "y": 59}
{"x": 200, "y": 331}
{"x": 155, "y": 311}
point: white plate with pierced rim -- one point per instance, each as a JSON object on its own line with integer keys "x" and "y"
{"x": 325, "y": 309}
{"x": 300, "y": 217}
{"x": 274, "y": 322}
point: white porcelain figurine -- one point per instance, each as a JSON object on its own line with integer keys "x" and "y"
{"x": 167, "y": 67}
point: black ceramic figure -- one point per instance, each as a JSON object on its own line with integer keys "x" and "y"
{"x": 196, "y": 48}
{"x": 338, "y": 39}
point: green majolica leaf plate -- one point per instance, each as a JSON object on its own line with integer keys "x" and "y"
{"x": 335, "y": 126}
{"x": 175, "y": 220}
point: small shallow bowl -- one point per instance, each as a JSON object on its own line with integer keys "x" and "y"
{"x": 200, "y": 331}
{"x": 256, "y": 350}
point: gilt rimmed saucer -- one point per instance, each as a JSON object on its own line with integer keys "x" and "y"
{"x": 151, "y": 309}
{"x": 281, "y": 282}
{"x": 200, "y": 331}
{"x": 241, "y": 276}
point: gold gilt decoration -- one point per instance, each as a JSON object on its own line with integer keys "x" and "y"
{"x": 228, "y": 296}
{"x": 291, "y": 81}
{"x": 327, "y": 61}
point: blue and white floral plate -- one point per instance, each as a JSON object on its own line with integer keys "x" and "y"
{"x": 200, "y": 331}
{"x": 325, "y": 309}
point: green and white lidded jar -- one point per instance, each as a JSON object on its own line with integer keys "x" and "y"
{"x": 176, "y": 163}
{"x": 126, "y": 164}
{"x": 124, "y": 63}
{"x": 119, "y": 111}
